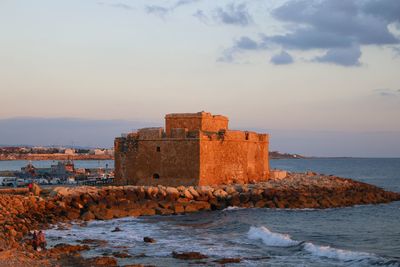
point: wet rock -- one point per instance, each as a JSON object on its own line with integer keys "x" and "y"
{"x": 161, "y": 211}
{"x": 134, "y": 212}
{"x": 88, "y": 216}
{"x": 104, "y": 214}
{"x": 261, "y": 203}
{"x": 165, "y": 204}
{"x": 189, "y": 256}
{"x": 147, "y": 239}
{"x": 116, "y": 229}
{"x": 63, "y": 248}
{"x": 122, "y": 255}
{"x": 73, "y": 215}
{"x": 228, "y": 260}
{"x": 94, "y": 242}
{"x": 147, "y": 212}
{"x": 178, "y": 208}
{"x": 186, "y": 194}
{"x": 190, "y": 208}
{"x": 172, "y": 193}
{"x": 220, "y": 193}
{"x": 151, "y": 204}
{"x": 193, "y": 192}
{"x": 101, "y": 261}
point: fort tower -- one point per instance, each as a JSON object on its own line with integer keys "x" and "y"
{"x": 194, "y": 149}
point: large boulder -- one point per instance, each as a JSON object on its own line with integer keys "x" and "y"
{"x": 102, "y": 261}
{"x": 172, "y": 193}
{"x": 189, "y": 255}
{"x": 68, "y": 249}
{"x": 104, "y": 214}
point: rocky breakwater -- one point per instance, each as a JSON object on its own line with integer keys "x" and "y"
{"x": 296, "y": 191}
{"x": 20, "y": 214}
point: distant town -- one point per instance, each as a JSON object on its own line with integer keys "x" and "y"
{"x": 54, "y": 153}
{"x": 68, "y": 153}
{"x": 63, "y": 170}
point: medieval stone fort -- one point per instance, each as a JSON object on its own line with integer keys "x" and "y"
{"x": 193, "y": 149}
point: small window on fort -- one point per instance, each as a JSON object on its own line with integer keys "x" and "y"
{"x": 156, "y": 176}
{"x": 158, "y": 149}
{"x": 247, "y": 135}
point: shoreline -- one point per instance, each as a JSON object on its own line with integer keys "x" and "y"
{"x": 13, "y": 157}
{"x": 21, "y": 213}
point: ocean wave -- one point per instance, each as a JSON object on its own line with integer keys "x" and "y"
{"x": 335, "y": 253}
{"x": 270, "y": 238}
{"x": 273, "y": 239}
{"x": 233, "y": 208}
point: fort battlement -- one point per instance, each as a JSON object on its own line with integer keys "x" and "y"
{"x": 194, "y": 149}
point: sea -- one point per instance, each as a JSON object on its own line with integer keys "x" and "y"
{"x": 367, "y": 235}
{"x": 16, "y": 165}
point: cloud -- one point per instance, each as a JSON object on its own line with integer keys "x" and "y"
{"x": 157, "y": 10}
{"x": 340, "y": 28}
{"x": 227, "y": 55}
{"x": 396, "y": 51}
{"x": 162, "y": 11}
{"x": 341, "y": 56}
{"x": 234, "y": 15}
{"x": 199, "y": 14}
{"x": 330, "y": 18}
{"x": 184, "y": 2}
{"x": 385, "y": 92}
{"x": 240, "y": 45}
{"x": 117, "y": 5}
{"x": 388, "y": 10}
{"x": 122, "y": 5}
{"x": 282, "y": 58}
{"x": 246, "y": 43}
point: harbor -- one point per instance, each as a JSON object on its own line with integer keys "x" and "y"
{"x": 50, "y": 172}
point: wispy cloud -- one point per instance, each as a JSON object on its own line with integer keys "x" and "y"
{"x": 122, "y": 5}
{"x": 157, "y": 10}
{"x": 283, "y": 58}
{"x": 386, "y": 92}
{"x": 162, "y": 11}
{"x": 234, "y": 15}
{"x": 200, "y": 15}
{"x": 240, "y": 45}
{"x": 117, "y": 5}
{"x": 184, "y": 2}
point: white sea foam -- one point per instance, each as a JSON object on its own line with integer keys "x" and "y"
{"x": 270, "y": 238}
{"x": 283, "y": 240}
{"x": 334, "y": 253}
{"x": 233, "y": 208}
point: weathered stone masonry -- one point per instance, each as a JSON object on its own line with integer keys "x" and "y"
{"x": 194, "y": 149}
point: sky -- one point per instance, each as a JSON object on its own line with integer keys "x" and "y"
{"x": 302, "y": 70}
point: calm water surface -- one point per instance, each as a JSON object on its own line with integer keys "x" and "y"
{"x": 355, "y": 236}
{"x": 16, "y": 165}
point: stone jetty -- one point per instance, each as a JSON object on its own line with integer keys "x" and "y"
{"x": 21, "y": 213}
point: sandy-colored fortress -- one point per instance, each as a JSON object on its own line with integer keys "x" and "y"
{"x": 194, "y": 149}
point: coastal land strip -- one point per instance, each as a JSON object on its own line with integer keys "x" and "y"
{"x": 21, "y": 212}
{"x": 55, "y": 156}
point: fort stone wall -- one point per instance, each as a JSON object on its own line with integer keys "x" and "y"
{"x": 202, "y": 121}
{"x": 195, "y": 149}
{"x": 235, "y": 157}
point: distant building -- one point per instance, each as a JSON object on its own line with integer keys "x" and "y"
{"x": 62, "y": 169}
{"x": 69, "y": 151}
{"x": 98, "y": 151}
{"x": 193, "y": 149}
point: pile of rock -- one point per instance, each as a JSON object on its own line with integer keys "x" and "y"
{"x": 20, "y": 214}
